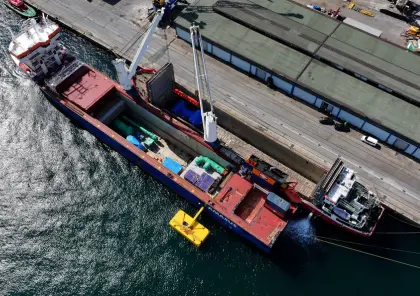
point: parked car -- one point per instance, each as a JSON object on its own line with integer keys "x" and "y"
{"x": 326, "y": 120}
{"x": 342, "y": 127}
{"x": 369, "y": 140}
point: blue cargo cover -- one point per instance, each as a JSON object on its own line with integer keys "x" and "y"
{"x": 172, "y": 165}
{"x": 277, "y": 203}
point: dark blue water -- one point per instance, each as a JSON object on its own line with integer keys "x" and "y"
{"x": 77, "y": 219}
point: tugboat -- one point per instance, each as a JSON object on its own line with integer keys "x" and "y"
{"x": 161, "y": 145}
{"x": 341, "y": 200}
{"x": 21, "y": 7}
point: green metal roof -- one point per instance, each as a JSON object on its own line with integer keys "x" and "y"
{"x": 348, "y": 47}
{"x": 378, "y": 48}
{"x": 374, "y": 59}
{"x": 301, "y": 14}
{"x": 362, "y": 98}
{"x": 236, "y": 38}
{"x": 281, "y": 27}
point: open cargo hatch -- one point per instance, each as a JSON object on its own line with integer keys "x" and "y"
{"x": 160, "y": 86}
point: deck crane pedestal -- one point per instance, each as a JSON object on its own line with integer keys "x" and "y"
{"x": 125, "y": 74}
{"x": 203, "y": 87}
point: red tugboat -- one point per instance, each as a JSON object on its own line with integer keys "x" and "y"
{"x": 161, "y": 145}
{"x": 21, "y": 7}
{"x": 338, "y": 198}
{"x": 341, "y": 200}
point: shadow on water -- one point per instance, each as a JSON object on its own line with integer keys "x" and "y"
{"x": 298, "y": 248}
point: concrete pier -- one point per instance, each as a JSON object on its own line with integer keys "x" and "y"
{"x": 270, "y": 115}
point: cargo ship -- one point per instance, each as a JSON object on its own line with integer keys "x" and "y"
{"x": 204, "y": 173}
{"x": 339, "y": 199}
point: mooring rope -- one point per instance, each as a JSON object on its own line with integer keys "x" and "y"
{"x": 371, "y": 246}
{"x": 370, "y": 254}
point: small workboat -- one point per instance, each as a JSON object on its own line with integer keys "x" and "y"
{"x": 21, "y": 7}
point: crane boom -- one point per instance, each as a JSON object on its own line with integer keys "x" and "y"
{"x": 203, "y": 86}
{"x": 125, "y": 75}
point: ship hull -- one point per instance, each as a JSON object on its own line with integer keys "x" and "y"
{"x": 318, "y": 213}
{"x": 150, "y": 169}
{"x": 30, "y": 12}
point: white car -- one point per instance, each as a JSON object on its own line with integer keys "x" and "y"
{"x": 369, "y": 140}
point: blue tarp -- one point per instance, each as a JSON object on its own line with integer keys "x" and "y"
{"x": 191, "y": 176}
{"x": 203, "y": 181}
{"x": 135, "y": 142}
{"x": 172, "y": 165}
{"x": 192, "y": 116}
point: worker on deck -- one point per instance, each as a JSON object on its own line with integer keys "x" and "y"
{"x": 167, "y": 16}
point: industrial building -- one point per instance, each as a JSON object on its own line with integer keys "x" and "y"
{"x": 359, "y": 78}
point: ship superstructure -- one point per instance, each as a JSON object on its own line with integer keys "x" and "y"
{"x": 36, "y": 48}
{"x": 342, "y": 200}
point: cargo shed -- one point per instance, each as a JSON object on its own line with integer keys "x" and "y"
{"x": 291, "y": 44}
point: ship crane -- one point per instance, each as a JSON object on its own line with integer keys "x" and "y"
{"x": 203, "y": 87}
{"x": 125, "y": 75}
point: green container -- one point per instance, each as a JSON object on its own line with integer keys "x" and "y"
{"x": 123, "y": 128}
{"x": 142, "y": 129}
{"x": 208, "y": 163}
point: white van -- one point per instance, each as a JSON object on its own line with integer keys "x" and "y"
{"x": 369, "y": 140}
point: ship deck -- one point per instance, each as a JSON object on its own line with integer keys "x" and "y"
{"x": 235, "y": 197}
{"x": 240, "y": 198}
{"x": 172, "y": 151}
{"x": 85, "y": 88}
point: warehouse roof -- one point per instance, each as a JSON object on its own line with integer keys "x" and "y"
{"x": 281, "y": 27}
{"x": 243, "y": 41}
{"x": 362, "y": 98}
{"x": 319, "y": 35}
{"x": 308, "y": 17}
{"x": 374, "y": 59}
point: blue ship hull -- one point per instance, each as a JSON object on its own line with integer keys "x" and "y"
{"x": 103, "y": 137}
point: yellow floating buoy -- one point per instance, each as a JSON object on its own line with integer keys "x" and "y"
{"x": 189, "y": 228}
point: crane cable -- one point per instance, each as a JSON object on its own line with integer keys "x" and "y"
{"x": 167, "y": 45}
{"x": 398, "y": 232}
{"x": 367, "y": 253}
